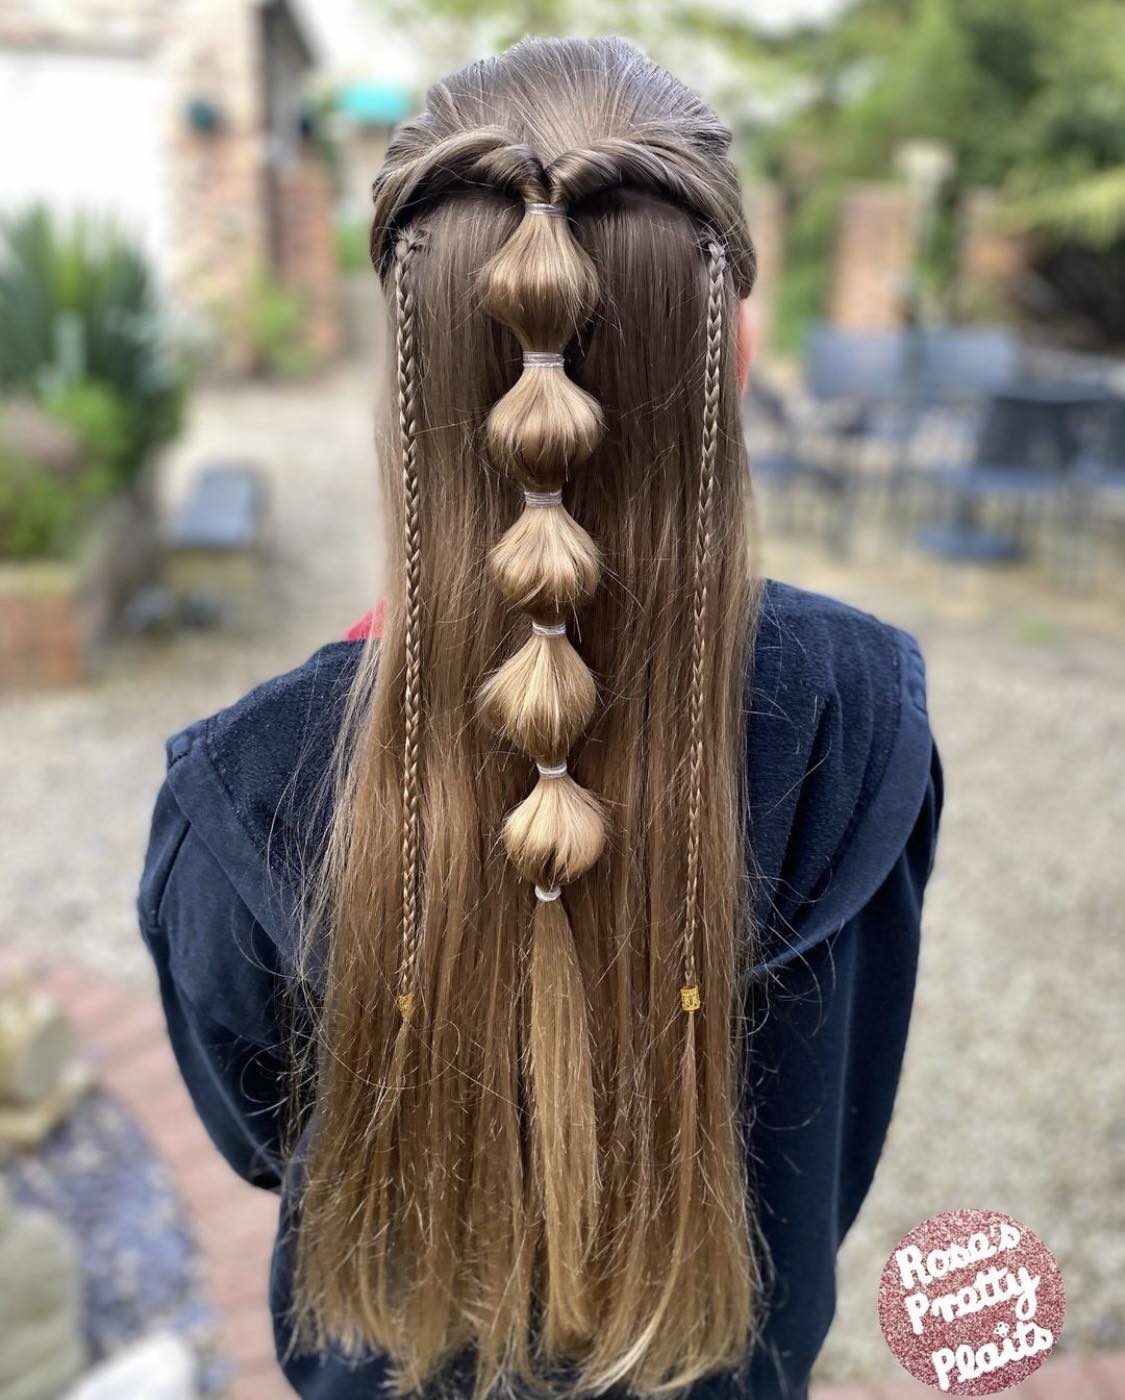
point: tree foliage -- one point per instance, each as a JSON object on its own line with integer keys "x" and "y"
{"x": 1029, "y": 99}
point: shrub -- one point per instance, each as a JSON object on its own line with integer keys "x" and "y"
{"x": 277, "y": 330}
{"x": 82, "y": 321}
{"x": 98, "y": 419}
{"x": 54, "y": 469}
{"x": 352, "y": 247}
{"x": 40, "y": 514}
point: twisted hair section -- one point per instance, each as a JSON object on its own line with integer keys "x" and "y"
{"x": 543, "y": 287}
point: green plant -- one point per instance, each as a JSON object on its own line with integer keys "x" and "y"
{"x": 99, "y": 420}
{"x": 1028, "y": 100}
{"x": 56, "y": 465}
{"x": 42, "y": 513}
{"x": 804, "y": 277}
{"x": 277, "y": 325}
{"x": 78, "y": 305}
{"x": 352, "y": 253}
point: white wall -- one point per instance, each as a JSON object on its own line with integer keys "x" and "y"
{"x": 85, "y": 131}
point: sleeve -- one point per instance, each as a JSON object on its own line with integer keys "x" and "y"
{"x": 825, "y": 1060}
{"x": 218, "y": 980}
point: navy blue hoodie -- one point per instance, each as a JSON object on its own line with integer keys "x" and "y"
{"x": 845, "y": 797}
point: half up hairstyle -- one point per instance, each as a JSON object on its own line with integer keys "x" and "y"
{"x": 525, "y": 940}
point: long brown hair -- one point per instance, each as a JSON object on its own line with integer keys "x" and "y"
{"x": 526, "y": 1143}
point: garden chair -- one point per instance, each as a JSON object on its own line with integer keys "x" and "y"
{"x": 783, "y": 459}
{"x": 1030, "y": 441}
{"x": 1098, "y": 497}
{"x": 964, "y": 364}
{"x": 216, "y": 542}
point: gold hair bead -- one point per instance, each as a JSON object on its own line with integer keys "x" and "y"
{"x": 690, "y": 999}
{"x": 406, "y": 1005}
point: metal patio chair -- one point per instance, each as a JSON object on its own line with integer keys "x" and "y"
{"x": 1031, "y": 440}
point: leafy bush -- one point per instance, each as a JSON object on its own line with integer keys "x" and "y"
{"x": 352, "y": 246}
{"x": 40, "y": 514}
{"x": 54, "y": 469}
{"x": 82, "y": 321}
{"x": 98, "y": 419}
{"x": 277, "y": 329}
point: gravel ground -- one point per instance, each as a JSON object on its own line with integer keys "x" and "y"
{"x": 1012, "y": 1097}
{"x": 1012, "y": 1093}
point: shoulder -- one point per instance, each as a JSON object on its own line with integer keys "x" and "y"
{"x": 812, "y": 639}
{"x": 279, "y": 734}
{"x": 839, "y": 753}
{"x": 243, "y": 786}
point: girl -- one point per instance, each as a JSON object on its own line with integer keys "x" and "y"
{"x": 599, "y": 871}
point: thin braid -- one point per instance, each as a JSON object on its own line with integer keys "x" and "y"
{"x": 712, "y": 384}
{"x": 407, "y": 383}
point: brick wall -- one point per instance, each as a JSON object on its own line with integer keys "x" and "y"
{"x": 224, "y": 235}
{"x": 218, "y": 183}
{"x": 874, "y": 251}
{"x": 307, "y": 252}
{"x": 251, "y": 203}
{"x": 54, "y": 616}
{"x": 991, "y": 260}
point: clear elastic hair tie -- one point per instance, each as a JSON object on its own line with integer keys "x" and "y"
{"x": 539, "y": 207}
{"x": 549, "y": 629}
{"x": 545, "y": 359}
{"x": 543, "y": 498}
{"x": 552, "y": 770}
{"x": 547, "y": 894}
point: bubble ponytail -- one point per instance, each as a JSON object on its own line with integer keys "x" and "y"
{"x": 542, "y": 285}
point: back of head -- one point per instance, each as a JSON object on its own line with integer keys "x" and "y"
{"x": 526, "y": 1142}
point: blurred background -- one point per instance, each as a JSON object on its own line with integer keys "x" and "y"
{"x": 189, "y": 354}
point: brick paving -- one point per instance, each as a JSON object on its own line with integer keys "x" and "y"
{"x": 122, "y": 1037}
{"x": 121, "y": 1033}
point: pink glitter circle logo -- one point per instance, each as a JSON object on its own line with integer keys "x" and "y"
{"x": 971, "y": 1302}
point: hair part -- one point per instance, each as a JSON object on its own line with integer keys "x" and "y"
{"x": 526, "y": 1141}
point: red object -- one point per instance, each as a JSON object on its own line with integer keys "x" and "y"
{"x": 369, "y": 624}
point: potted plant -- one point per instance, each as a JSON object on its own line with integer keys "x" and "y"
{"x": 90, "y": 389}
